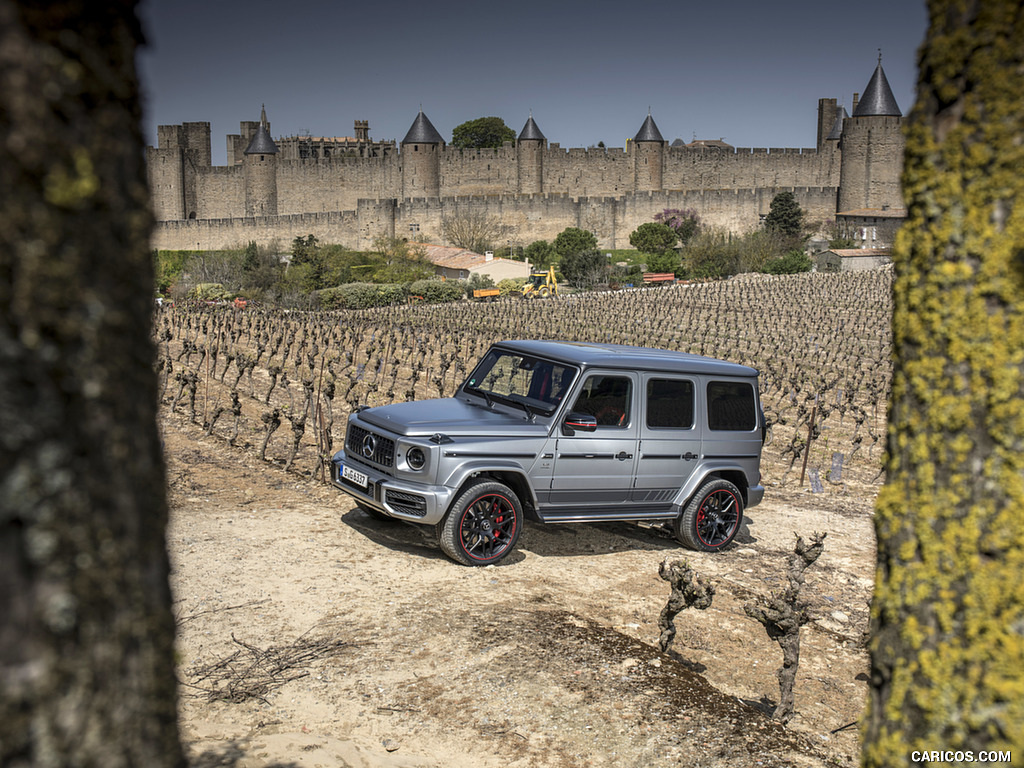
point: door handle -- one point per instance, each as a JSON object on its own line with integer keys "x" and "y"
{"x": 622, "y": 456}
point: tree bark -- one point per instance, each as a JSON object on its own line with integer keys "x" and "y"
{"x": 86, "y": 634}
{"x": 947, "y": 651}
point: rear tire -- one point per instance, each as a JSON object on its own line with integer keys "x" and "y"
{"x": 483, "y": 525}
{"x": 711, "y": 519}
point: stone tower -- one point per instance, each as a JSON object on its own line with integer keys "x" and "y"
{"x": 421, "y": 159}
{"x": 530, "y": 158}
{"x": 259, "y": 167}
{"x": 872, "y": 150}
{"x": 648, "y": 156}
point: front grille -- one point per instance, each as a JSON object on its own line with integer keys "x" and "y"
{"x": 406, "y": 503}
{"x": 383, "y": 448}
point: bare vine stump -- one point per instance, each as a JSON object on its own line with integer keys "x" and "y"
{"x": 689, "y": 590}
{"x": 782, "y": 617}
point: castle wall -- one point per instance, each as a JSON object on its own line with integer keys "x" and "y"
{"x": 221, "y": 193}
{"x": 525, "y": 217}
{"x": 478, "y": 171}
{"x": 587, "y": 172}
{"x": 746, "y": 168}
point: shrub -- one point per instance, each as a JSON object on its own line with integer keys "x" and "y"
{"x": 793, "y": 262}
{"x": 511, "y": 285}
{"x": 435, "y": 291}
{"x": 362, "y": 295}
{"x": 711, "y": 255}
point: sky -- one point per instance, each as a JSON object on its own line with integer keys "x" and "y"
{"x": 750, "y": 73}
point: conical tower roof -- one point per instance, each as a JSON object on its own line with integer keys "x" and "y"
{"x": 422, "y": 132}
{"x": 531, "y": 132}
{"x": 261, "y": 143}
{"x": 877, "y": 99}
{"x": 648, "y": 131}
{"x": 837, "y": 126}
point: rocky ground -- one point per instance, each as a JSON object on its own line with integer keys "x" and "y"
{"x": 311, "y": 635}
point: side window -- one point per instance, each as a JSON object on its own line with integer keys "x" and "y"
{"x": 731, "y": 406}
{"x": 669, "y": 404}
{"x": 607, "y": 399}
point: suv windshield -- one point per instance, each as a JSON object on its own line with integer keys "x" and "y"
{"x": 529, "y": 382}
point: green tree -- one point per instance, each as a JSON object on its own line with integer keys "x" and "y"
{"x": 541, "y": 254}
{"x": 251, "y": 258}
{"x": 87, "y": 638}
{"x": 947, "y": 618}
{"x": 572, "y": 241}
{"x": 653, "y": 238}
{"x": 584, "y": 269}
{"x": 484, "y": 132}
{"x": 785, "y": 215}
{"x": 304, "y": 248}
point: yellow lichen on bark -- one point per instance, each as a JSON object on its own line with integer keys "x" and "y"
{"x": 948, "y": 612}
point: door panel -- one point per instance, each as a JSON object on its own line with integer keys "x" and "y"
{"x": 597, "y": 468}
{"x": 670, "y": 443}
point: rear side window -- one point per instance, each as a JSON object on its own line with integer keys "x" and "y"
{"x": 669, "y": 404}
{"x": 731, "y": 406}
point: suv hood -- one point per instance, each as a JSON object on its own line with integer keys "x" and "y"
{"x": 451, "y": 417}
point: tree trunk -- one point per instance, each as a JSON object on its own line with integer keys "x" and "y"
{"x": 86, "y": 632}
{"x": 947, "y": 652}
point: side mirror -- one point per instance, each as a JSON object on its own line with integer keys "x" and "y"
{"x": 583, "y": 422}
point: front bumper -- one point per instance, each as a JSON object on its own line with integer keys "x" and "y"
{"x": 415, "y": 502}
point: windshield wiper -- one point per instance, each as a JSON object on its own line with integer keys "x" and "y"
{"x": 524, "y": 405}
{"x": 484, "y": 394}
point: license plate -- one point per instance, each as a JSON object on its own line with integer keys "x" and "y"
{"x": 354, "y": 476}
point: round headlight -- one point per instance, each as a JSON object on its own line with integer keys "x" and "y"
{"x": 416, "y": 458}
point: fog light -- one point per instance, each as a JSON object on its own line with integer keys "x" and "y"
{"x": 416, "y": 458}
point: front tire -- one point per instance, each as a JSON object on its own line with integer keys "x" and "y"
{"x": 483, "y": 525}
{"x": 711, "y": 519}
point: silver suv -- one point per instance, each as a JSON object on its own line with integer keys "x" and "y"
{"x": 560, "y": 432}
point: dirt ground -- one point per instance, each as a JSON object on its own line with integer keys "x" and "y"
{"x": 313, "y": 636}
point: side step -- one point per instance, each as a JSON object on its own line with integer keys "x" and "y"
{"x": 607, "y": 514}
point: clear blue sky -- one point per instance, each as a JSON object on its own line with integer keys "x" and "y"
{"x": 748, "y": 72}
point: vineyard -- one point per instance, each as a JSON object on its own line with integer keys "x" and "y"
{"x": 280, "y": 384}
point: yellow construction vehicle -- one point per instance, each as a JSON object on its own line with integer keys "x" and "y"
{"x": 541, "y": 284}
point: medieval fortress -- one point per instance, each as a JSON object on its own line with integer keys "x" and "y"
{"x": 352, "y": 190}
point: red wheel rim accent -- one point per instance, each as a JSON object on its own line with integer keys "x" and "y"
{"x": 488, "y": 527}
{"x": 717, "y": 518}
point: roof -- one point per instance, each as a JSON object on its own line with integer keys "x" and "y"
{"x": 261, "y": 143}
{"x": 849, "y": 253}
{"x": 531, "y": 132}
{"x": 453, "y": 257}
{"x": 715, "y": 143}
{"x": 648, "y": 131}
{"x": 837, "y": 126}
{"x": 619, "y": 356}
{"x": 877, "y": 99}
{"x": 422, "y": 131}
